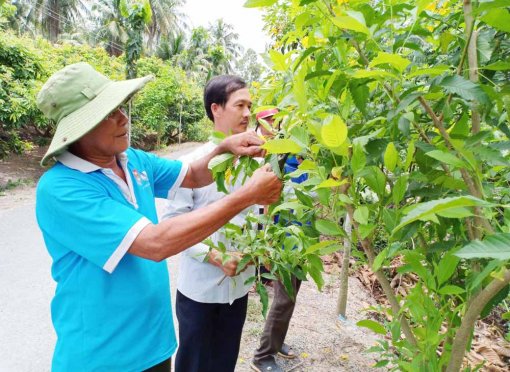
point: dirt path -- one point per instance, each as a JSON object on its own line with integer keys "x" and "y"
{"x": 321, "y": 343}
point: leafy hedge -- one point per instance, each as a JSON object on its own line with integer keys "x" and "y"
{"x": 25, "y": 64}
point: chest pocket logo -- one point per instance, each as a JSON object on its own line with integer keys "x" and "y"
{"x": 140, "y": 177}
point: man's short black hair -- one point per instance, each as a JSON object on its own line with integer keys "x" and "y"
{"x": 218, "y": 90}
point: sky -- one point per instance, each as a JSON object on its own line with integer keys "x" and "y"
{"x": 247, "y": 22}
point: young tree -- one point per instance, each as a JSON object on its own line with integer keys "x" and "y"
{"x": 400, "y": 112}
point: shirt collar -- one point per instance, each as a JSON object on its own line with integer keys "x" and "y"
{"x": 74, "y": 162}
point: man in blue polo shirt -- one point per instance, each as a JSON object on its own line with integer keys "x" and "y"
{"x": 96, "y": 210}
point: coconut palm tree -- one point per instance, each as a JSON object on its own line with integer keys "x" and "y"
{"x": 167, "y": 20}
{"x": 222, "y": 35}
{"x": 52, "y": 17}
{"x": 110, "y": 27}
{"x": 171, "y": 46}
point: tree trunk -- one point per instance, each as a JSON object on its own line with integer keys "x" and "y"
{"x": 476, "y": 306}
{"x": 472, "y": 55}
{"x": 341, "y": 307}
{"x": 53, "y": 19}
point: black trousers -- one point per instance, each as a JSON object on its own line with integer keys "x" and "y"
{"x": 164, "y": 366}
{"x": 277, "y": 321}
{"x": 209, "y": 334}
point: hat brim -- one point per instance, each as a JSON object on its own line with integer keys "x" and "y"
{"x": 74, "y": 126}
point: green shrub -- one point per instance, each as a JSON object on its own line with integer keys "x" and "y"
{"x": 19, "y": 69}
{"x": 164, "y": 103}
{"x": 26, "y": 63}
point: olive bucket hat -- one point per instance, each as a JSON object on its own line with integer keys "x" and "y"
{"x": 78, "y": 98}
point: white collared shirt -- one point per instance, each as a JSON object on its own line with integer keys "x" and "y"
{"x": 197, "y": 279}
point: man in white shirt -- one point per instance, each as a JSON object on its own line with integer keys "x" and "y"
{"x": 211, "y": 311}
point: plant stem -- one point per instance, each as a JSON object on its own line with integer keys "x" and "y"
{"x": 463, "y": 334}
{"x": 341, "y": 306}
{"x": 473, "y": 187}
{"x": 472, "y": 60}
{"x": 383, "y": 281}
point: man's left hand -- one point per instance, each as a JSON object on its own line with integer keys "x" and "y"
{"x": 247, "y": 143}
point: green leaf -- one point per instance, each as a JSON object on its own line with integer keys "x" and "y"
{"x": 493, "y": 246}
{"x": 464, "y": 88}
{"x": 361, "y": 215}
{"x": 281, "y": 146}
{"x": 243, "y": 263}
{"x": 329, "y": 183}
{"x": 358, "y": 159}
{"x": 360, "y": 95}
{"x": 334, "y": 131}
{"x": 460, "y": 212}
{"x": 373, "y": 74}
{"x": 426, "y": 211}
{"x": 390, "y": 157}
{"x": 217, "y": 136}
{"x": 372, "y": 325}
{"x": 497, "y": 66}
{"x": 264, "y": 298}
{"x": 299, "y": 89}
{"x": 480, "y": 277}
{"x": 327, "y": 227}
{"x": 320, "y": 245}
{"x": 496, "y": 300}
{"x": 375, "y": 179}
{"x": 433, "y": 71}
{"x": 279, "y": 60}
{"x": 221, "y": 162}
{"x": 288, "y": 206}
{"x": 394, "y": 60}
{"x": 497, "y": 18}
{"x": 446, "y": 268}
{"x": 447, "y": 158}
{"x": 307, "y": 164}
{"x": 350, "y": 23}
{"x": 329, "y": 249}
{"x": 451, "y": 290}
{"x": 379, "y": 259}
{"x": 304, "y": 198}
{"x": 483, "y": 6}
{"x": 315, "y": 269}
{"x": 399, "y": 189}
{"x": 258, "y": 3}
{"x": 366, "y": 230}
{"x": 275, "y": 165}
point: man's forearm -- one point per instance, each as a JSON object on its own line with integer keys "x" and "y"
{"x": 199, "y": 173}
{"x": 157, "y": 242}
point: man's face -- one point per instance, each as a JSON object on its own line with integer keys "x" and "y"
{"x": 235, "y": 116}
{"x": 110, "y": 137}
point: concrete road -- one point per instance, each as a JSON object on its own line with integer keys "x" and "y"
{"x": 27, "y": 337}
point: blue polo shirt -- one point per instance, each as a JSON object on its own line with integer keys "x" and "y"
{"x": 111, "y": 310}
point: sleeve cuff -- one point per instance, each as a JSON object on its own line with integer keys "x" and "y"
{"x": 125, "y": 244}
{"x": 178, "y": 181}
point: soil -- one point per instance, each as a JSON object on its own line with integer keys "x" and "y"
{"x": 320, "y": 340}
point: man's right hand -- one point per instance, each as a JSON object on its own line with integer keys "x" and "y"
{"x": 264, "y": 186}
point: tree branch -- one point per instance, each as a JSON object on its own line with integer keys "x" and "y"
{"x": 463, "y": 334}
{"x": 383, "y": 281}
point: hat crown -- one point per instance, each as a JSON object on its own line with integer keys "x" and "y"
{"x": 266, "y": 113}
{"x": 70, "y": 89}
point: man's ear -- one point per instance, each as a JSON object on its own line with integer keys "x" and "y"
{"x": 216, "y": 109}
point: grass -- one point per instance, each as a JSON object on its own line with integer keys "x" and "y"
{"x": 254, "y": 312}
{"x": 11, "y": 185}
